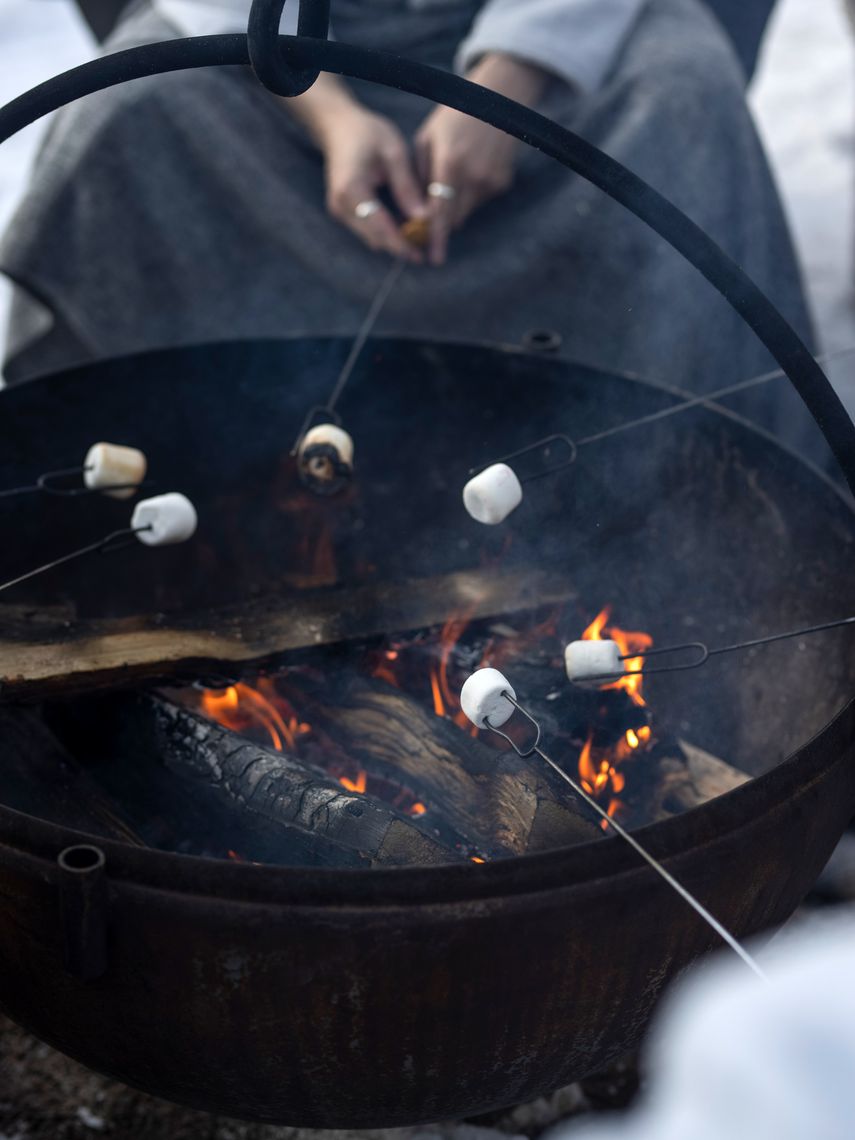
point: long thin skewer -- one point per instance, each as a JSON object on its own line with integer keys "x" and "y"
{"x": 684, "y": 405}
{"x": 46, "y": 484}
{"x": 705, "y": 653}
{"x": 111, "y": 542}
{"x": 675, "y": 884}
{"x": 708, "y": 398}
{"x": 375, "y": 309}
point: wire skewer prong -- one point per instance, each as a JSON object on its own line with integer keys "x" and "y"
{"x": 702, "y": 653}
{"x": 488, "y": 699}
{"x": 161, "y": 521}
{"x": 108, "y": 469}
{"x": 325, "y": 452}
{"x": 494, "y": 489}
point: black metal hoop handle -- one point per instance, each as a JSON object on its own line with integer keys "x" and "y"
{"x": 314, "y": 55}
{"x": 262, "y": 40}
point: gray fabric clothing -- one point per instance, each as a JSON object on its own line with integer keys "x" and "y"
{"x": 576, "y": 40}
{"x": 190, "y": 207}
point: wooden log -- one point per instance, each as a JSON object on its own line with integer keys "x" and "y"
{"x": 507, "y": 805}
{"x": 688, "y": 777}
{"x": 41, "y": 778}
{"x": 270, "y": 807}
{"x": 43, "y": 656}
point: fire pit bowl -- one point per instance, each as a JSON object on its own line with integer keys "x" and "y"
{"x": 352, "y": 998}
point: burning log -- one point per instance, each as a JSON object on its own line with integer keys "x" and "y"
{"x": 500, "y": 802}
{"x": 272, "y": 807}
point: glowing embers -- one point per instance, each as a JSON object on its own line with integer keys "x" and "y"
{"x": 267, "y": 713}
{"x": 351, "y": 713}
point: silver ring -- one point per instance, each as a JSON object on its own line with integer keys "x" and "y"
{"x": 441, "y": 190}
{"x": 366, "y": 209}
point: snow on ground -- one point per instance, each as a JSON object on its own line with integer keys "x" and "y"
{"x": 804, "y": 99}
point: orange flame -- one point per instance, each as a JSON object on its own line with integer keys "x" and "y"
{"x": 628, "y": 642}
{"x": 240, "y": 707}
{"x": 599, "y": 768}
{"x": 359, "y": 785}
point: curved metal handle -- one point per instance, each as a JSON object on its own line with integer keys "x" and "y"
{"x": 598, "y": 168}
{"x": 265, "y": 49}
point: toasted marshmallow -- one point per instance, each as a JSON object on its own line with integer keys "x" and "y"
{"x": 165, "y": 519}
{"x": 325, "y": 459}
{"x": 110, "y": 464}
{"x": 483, "y": 697}
{"x": 492, "y": 494}
{"x": 586, "y": 659}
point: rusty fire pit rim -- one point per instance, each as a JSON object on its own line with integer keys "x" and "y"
{"x": 39, "y": 842}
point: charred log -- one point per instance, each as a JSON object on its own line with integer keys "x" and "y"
{"x": 269, "y": 805}
{"x": 503, "y": 803}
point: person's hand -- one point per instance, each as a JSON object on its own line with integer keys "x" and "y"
{"x": 363, "y": 152}
{"x": 464, "y": 162}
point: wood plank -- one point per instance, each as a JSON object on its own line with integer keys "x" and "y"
{"x": 43, "y": 655}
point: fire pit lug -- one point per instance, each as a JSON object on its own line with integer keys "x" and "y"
{"x": 83, "y": 908}
{"x": 546, "y": 341}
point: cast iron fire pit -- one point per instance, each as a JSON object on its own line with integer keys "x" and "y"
{"x": 379, "y": 997}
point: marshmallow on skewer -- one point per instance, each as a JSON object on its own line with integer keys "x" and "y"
{"x": 483, "y": 697}
{"x": 584, "y": 660}
{"x": 164, "y": 520}
{"x": 112, "y": 465}
{"x": 325, "y": 459}
{"x": 492, "y": 494}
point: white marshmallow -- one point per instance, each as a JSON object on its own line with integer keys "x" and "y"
{"x": 332, "y": 434}
{"x": 483, "y": 695}
{"x": 171, "y": 518}
{"x": 325, "y": 458}
{"x": 492, "y": 494}
{"x": 586, "y": 659}
{"x": 109, "y": 464}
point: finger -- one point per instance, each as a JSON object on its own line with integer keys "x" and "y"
{"x": 401, "y": 179}
{"x": 380, "y": 232}
{"x": 442, "y": 214}
{"x": 377, "y": 230}
{"x": 421, "y": 146}
{"x": 441, "y": 221}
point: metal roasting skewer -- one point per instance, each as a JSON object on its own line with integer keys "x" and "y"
{"x": 704, "y": 653}
{"x": 117, "y": 540}
{"x": 653, "y": 417}
{"x": 47, "y": 485}
{"x": 375, "y": 309}
{"x": 675, "y": 884}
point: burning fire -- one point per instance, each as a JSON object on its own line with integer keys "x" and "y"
{"x": 628, "y": 643}
{"x": 599, "y": 768}
{"x": 241, "y": 708}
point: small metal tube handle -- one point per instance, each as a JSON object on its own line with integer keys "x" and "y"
{"x": 83, "y": 909}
